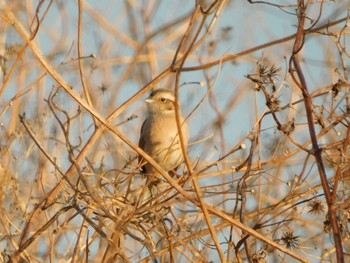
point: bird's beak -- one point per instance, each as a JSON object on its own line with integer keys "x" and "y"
{"x": 149, "y": 100}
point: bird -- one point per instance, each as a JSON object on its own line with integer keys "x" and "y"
{"x": 159, "y": 136}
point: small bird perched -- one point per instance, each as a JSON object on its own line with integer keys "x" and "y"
{"x": 159, "y": 136}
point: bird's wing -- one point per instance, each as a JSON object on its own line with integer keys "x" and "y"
{"x": 142, "y": 145}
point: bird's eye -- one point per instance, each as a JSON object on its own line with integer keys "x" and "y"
{"x": 163, "y": 99}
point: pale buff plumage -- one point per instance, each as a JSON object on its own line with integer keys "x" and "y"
{"x": 159, "y": 134}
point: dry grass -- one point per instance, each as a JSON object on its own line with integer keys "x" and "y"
{"x": 266, "y": 177}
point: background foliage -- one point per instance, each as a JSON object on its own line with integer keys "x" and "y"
{"x": 265, "y": 88}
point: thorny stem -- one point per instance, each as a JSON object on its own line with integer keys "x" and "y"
{"x": 301, "y": 82}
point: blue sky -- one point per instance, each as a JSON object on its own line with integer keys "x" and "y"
{"x": 241, "y": 26}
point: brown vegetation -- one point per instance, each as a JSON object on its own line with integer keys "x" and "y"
{"x": 266, "y": 177}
